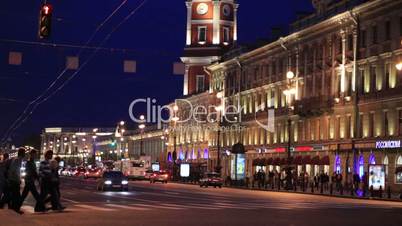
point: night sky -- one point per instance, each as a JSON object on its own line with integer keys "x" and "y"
{"x": 100, "y": 93}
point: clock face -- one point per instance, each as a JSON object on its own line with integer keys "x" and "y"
{"x": 226, "y": 10}
{"x": 202, "y": 8}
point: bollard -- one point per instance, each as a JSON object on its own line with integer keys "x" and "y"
{"x": 371, "y": 191}
{"x": 341, "y": 188}
{"x": 380, "y": 192}
{"x": 352, "y": 193}
{"x": 389, "y": 192}
{"x": 331, "y": 189}
{"x": 312, "y": 188}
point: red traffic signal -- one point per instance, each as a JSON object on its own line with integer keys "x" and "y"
{"x": 46, "y": 9}
{"x": 45, "y": 21}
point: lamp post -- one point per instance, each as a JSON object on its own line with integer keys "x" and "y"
{"x": 289, "y": 92}
{"x": 174, "y": 154}
{"x": 219, "y": 110}
{"x": 142, "y": 127}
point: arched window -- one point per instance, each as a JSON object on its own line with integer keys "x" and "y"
{"x": 385, "y": 161}
{"x": 398, "y": 170}
{"x": 337, "y": 167}
{"x": 169, "y": 157}
{"x": 206, "y": 154}
{"x": 361, "y": 166}
{"x": 399, "y": 160}
{"x": 372, "y": 159}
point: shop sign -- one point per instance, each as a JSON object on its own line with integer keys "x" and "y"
{"x": 184, "y": 170}
{"x": 388, "y": 144}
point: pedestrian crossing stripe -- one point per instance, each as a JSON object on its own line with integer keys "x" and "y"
{"x": 95, "y": 208}
{"x": 128, "y": 207}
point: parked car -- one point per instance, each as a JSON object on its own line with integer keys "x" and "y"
{"x": 113, "y": 180}
{"x": 211, "y": 179}
{"x": 93, "y": 173}
{"x": 159, "y": 177}
{"x": 148, "y": 174}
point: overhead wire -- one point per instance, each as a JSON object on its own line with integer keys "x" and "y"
{"x": 10, "y": 129}
{"x": 17, "y": 125}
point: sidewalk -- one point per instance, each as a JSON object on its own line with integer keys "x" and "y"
{"x": 10, "y": 218}
{"x": 335, "y": 194}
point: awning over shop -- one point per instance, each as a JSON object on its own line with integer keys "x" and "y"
{"x": 307, "y": 160}
{"x": 298, "y": 160}
{"x": 256, "y": 162}
{"x": 325, "y": 161}
{"x": 270, "y": 161}
{"x": 398, "y": 169}
{"x": 238, "y": 149}
{"x": 315, "y": 160}
{"x": 277, "y": 162}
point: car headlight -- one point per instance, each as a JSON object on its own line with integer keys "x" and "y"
{"x": 108, "y": 182}
{"x": 124, "y": 182}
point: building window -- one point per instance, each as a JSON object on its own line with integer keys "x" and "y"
{"x": 372, "y": 159}
{"x": 338, "y": 164}
{"x": 371, "y": 124}
{"x": 387, "y": 66}
{"x": 388, "y": 30}
{"x": 363, "y": 38}
{"x": 200, "y": 83}
{"x": 373, "y": 78}
{"x": 386, "y": 163}
{"x": 400, "y": 26}
{"x": 361, "y": 166}
{"x": 385, "y": 123}
{"x": 226, "y": 35}
{"x": 375, "y": 34}
{"x": 400, "y": 122}
{"x": 202, "y": 35}
{"x": 398, "y": 170}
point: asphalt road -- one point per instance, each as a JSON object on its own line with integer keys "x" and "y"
{"x": 178, "y": 204}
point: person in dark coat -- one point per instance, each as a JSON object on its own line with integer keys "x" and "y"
{"x": 31, "y": 177}
{"x": 47, "y": 181}
{"x": 3, "y": 181}
{"x": 14, "y": 180}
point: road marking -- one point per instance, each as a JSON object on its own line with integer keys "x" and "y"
{"x": 94, "y": 208}
{"x": 127, "y": 207}
{"x": 69, "y": 200}
{"x": 28, "y": 209}
{"x": 172, "y": 193}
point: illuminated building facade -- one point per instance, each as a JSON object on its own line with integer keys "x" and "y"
{"x": 345, "y": 106}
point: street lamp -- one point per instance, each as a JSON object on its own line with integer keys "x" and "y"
{"x": 142, "y": 127}
{"x": 399, "y": 66}
{"x": 219, "y": 109}
{"x": 289, "y": 92}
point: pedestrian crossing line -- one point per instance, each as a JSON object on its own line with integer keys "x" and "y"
{"x": 69, "y": 200}
{"x": 162, "y": 206}
{"x": 232, "y": 206}
{"x": 28, "y": 209}
{"x": 94, "y": 208}
{"x": 128, "y": 207}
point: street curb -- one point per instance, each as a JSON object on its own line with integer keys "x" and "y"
{"x": 304, "y": 193}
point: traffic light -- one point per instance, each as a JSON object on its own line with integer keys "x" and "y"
{"x": 45, "y": 21}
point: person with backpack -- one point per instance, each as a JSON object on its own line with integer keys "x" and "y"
{"x": 14, "y": 180}
{"x": 3, "y": 181}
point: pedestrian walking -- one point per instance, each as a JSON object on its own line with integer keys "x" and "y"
{"x": 14, "y": 180}
{"x": 31, "y": 176}
{"x": 3, "y": 181}
{"x": 46, "y": 181}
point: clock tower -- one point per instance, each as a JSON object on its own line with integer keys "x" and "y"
{"x": 211, "y": 30}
